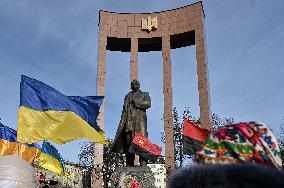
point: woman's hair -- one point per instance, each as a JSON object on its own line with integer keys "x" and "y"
{"x": 227, "y": 176}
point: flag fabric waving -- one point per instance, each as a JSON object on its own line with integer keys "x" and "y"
{"x": 48, "y": 156}
{"x": 50, "y": 159}
{"x": 9, "y": 145}
{"x": 193, "y": 137}
{"x": 193, "y": 131}
{"x": 47, "y": 114}
{"x": 142, "y": 146}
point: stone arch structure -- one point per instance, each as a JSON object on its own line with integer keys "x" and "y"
{"x": 168, "y": 30}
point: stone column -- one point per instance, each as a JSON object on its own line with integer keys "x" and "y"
{"x": 101, "y": 77}
{"x": 134, "y": 59}
{"x": 168, "y": 118}
{"x": 134, "y": 71}
{"x": 202, "y": 72}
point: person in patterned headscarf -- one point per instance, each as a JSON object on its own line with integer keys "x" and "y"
{"x": 236, "y": 155}
{"x": 249, "y": 142}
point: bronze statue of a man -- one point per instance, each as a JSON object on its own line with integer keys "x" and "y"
{"x": 133, "y": 120}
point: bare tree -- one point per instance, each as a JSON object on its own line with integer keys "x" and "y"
{"x": 280, "y": 140}
{"x": 217, "y": 121}
{"x": 85, "y": 156}
{"x": 182, "y": 159}
{"x": 86, "y": 159}
{"x": 111, "y": 161}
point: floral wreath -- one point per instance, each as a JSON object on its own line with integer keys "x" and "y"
{"x": 132, "y": 181}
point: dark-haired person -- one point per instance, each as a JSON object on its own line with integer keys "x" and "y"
{"x": 237, "y": 155}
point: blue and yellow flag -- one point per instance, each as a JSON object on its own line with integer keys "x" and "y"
{"x": 51, "y": 160}
{"x": 47, "y": 114}
{"x": 9, "y": 145}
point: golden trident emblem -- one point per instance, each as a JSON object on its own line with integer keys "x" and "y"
{"x": 149, "y": 23}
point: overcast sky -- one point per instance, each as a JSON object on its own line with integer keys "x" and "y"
{"x": 56, "y": 42}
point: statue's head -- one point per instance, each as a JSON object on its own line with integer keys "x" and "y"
{"x": 135, "y": 85}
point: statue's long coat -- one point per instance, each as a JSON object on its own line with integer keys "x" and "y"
{"x": 133, "y": 118}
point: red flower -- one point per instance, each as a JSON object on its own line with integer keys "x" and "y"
{"x": 134, "y": 183}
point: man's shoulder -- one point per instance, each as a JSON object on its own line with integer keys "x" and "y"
{"x": 127, "y": 95}
{"x": 145, "y": 93}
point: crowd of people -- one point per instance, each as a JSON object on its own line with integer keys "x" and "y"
{"x": 236, "y": 155}
{"x": 44, "y": 183}
{"x": 48, "y": 184}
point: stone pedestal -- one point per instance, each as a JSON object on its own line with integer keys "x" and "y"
{"x": 176, "y": 28}
{"x": 135, "y": 177}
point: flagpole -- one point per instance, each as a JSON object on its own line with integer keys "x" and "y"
{"x": 18, "y": 146}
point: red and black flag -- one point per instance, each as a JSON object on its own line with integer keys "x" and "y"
{"x": 142, "y": 146}
{"x": 193, "y": 136}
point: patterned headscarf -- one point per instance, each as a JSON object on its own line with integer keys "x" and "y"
{"x": 240, "y": 143}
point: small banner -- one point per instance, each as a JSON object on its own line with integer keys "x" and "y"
{"x": 190, "y": 146}
{"x": 193, "y": 137}
{"x": 193, "y": 131}
{"x": 142, "y": 146}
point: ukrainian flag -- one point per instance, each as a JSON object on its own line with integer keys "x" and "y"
{"x": 9, "y": 145}
{"x": 51, "y": 160}
{"x": 47, "y": 114}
